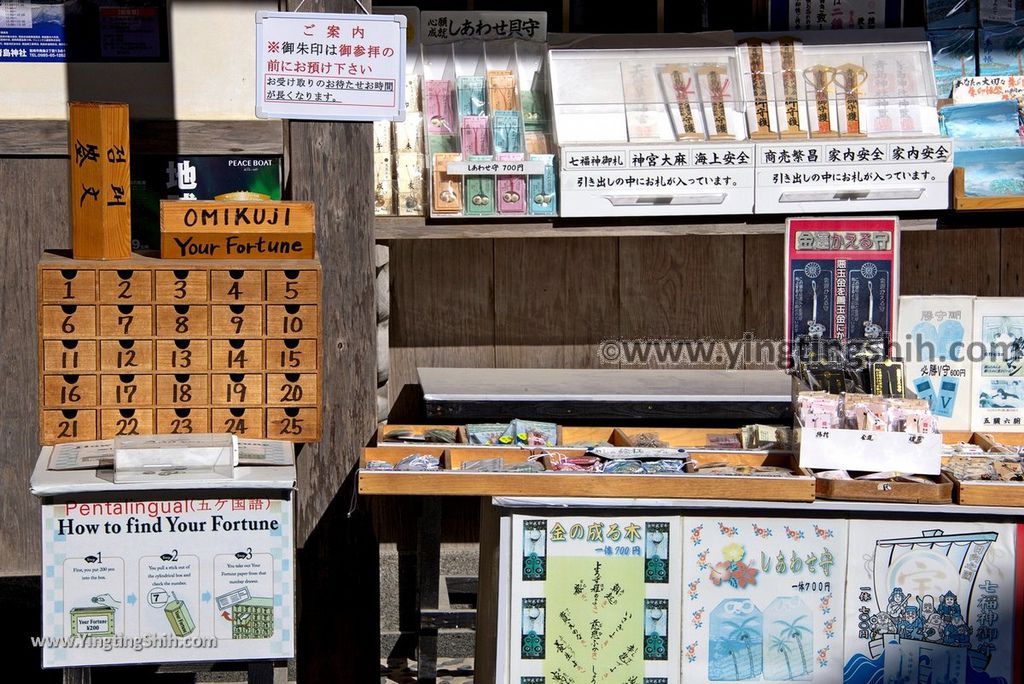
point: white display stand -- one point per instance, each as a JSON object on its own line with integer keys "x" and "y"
{"x": 178, "y": 570}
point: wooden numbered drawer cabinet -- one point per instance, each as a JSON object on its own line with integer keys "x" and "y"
{"x": 145, "y": 346}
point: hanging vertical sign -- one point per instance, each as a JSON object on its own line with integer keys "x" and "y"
{"x": 338, "y": 67}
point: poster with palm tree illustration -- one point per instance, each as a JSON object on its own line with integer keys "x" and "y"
{"x": 762, "y": 600}
{"x": 594, "y": 598}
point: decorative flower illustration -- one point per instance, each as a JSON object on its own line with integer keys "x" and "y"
{"x": 826, "y": 604}
{"x": 742, "y": 575}
{"x": 691, "y": 589}
{"x": 823, "y": 657}
{"x": 762, "y": 532}
{"x": 734, "y": 552}
{"x": 727, "y": 531}
{"x": 691, "y": 652}
{"x": 822, "y": 532}
{"x": 720, "y": 573}
{"x": 695, "y": 535}
{"x": 698, "y": 618}
{"x": 794, "y": 534}
{"x": 830, "y": 628}
{"x": 702, "y": 559}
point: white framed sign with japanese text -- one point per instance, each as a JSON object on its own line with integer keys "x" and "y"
{"x": 335, "y": 67}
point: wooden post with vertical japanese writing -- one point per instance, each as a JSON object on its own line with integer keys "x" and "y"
{"x": 100, "y": 197}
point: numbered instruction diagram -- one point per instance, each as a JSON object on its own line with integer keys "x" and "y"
{"x": 167, "y": 581}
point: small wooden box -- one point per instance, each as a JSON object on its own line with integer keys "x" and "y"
{"x": 182, "y": 421}
{"x": 128, "y": 390}
{"x": 293, "y": 287}
{"x": 236, "y": 286}
{"x": 178, "y": 347}
{"x": 126, "y": 356}
{"x": 182, "y": 320}
{"x": 70, "y": 425}
{"x": 183, "y": 390}
{"x": 244, "y": 422}
{"x": 237, "y": 356}
{"x": 69, "y": 356}
{"x": 940, "y": 492}
{"x": 126, "y": 320}
{"x": 70, "y": 391}
{"x": 115, "y": 422}
{"x": 989, "y": 493}
{"x": 68, "y": 321}
{"x": 183, "y": 356}
{"x": 236, "y": 320}
{"x": 126, "y": 286}
{"x": 70, "y": 286}
{"x": 292, "y": 355}
{"x": 182, "y": 286}
{"x": 236, "y": 389}
{"x": 292, "y": 422}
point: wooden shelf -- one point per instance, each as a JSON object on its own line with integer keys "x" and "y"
{"x": 963, "y": 202}
{"x": 420, "y": 228}
{"x": 50, "y": 137}
{"x": 456, "y": 483}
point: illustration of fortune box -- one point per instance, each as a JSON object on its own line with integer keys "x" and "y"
{"x": 179, "y": 617}
{"x": 253, "y": 619}
{"x": 92, "y": 621}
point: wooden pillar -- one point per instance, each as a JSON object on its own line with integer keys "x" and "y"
{"x": 331, "y": 164}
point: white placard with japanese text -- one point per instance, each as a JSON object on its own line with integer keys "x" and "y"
{"x": 337, "y": 67}
{"x": 840, "y": 176}
{"x": 173, "y": 580}
{"x": 665, "y": 180}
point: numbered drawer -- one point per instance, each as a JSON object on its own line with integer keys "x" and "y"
{"x": 126, "y": 390}
{"x": 295, "y": 424}
{"x": 292, "y": 389}
{"x": 69, "y": 320}
{"x": 127, "y": 356}
{"x": 237, "y": 320}
{"x": 122, "y": 422}
{"x": 69, "y": 425}
{"x": 69, "y": 356}
{"x": 244, "y": 422}
{"x": 126, "y": 286}
{"x": 69, "y": 285}
{"x": 126, "y": 320}
{"x": 183, "y": 320}
{"x": 69, "y": 391}
{"x": 237, "y": 356}
{"x": 186, "y": 356}
{"x": 182, "y": 287}
{"x": 236, "y": 389}
{"x": 236, "y": 286}
{"x": 296, "y": 286}
{"x": 292, "y": 355}
{"x": 292, "y": 320}
{"x": 183, "y": 389}
{"x": 182, "y": 421}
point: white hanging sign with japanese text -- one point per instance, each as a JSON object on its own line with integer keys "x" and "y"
{"x": 337, "y": 67}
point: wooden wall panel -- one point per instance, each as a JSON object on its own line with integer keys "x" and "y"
{"x": 554, "y": 301}
{"x": 33, "y": 216}
{"x": 960, "y": 261}
{"x": 681, "y": 287}
{"x": 1011, "y": 257}
{"x": 763, "y": 299}
{"x": 442, "y": 306}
